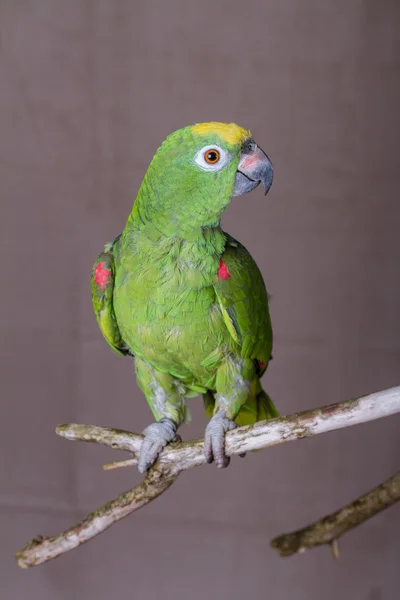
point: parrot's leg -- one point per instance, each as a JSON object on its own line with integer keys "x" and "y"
{"x": 232, "y": 391}
{"x": 166, "y": 397}
{"x": 209, "y": 404}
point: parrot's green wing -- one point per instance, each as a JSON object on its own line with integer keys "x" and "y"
{"x": 244, "y": 303}
{"x": 102, "y": 284}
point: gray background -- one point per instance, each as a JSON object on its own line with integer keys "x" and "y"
{"x": 88, "y": 90}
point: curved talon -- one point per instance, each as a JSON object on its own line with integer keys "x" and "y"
{"x": 157, "y": 435}
{"x": 214, "y": 439}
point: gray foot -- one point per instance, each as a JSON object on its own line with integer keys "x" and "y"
{"x": 157, "y": 435}
{"x": 214, "y": 439}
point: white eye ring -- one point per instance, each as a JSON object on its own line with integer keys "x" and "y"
{"x": 200, "y": 160}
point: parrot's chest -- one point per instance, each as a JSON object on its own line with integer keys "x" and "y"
{"x": 170, "y": 315}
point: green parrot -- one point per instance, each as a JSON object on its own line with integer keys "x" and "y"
{"x": 183, "y": 297}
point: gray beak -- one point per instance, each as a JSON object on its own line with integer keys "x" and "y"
{"x": 254, "y": 168}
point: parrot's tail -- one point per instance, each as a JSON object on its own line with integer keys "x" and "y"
{"x": 258, "y": 407}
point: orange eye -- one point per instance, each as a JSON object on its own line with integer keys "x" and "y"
{"x": 211, "y": 156}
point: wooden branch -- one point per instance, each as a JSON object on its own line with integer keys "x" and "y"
{"x": 330, "y": 528}
{"x": 185, "y": 455}
{"x": 41, "y": 548}
{"x": 179, "y": 457}
{"x": 117, "y": 439}
{"x": 118, "y": 464}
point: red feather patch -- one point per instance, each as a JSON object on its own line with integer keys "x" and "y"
{"x": 223, "y": 272}
{"x": 101, "y": 275}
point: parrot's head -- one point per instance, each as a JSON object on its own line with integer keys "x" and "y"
{"x": 195, "y": 173}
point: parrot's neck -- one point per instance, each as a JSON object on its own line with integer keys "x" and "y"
{"x": 160, "y": 228}
{"x": 176, "y": 263}
{"x": 196, "y": 242}
{"x": 198, "y": 250}
{"x": 162, "y": 208}
{"x": 164, "y": 224}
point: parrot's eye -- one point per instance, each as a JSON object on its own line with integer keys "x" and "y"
{"x": 212, "y": 158}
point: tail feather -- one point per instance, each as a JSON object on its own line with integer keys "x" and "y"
{"x": 258, "y": 407}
